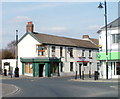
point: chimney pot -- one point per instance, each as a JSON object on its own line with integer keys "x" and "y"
{"x": 30, "y": 22}
{"x": 85, "y": 36}
{"x": 30, "y": 27}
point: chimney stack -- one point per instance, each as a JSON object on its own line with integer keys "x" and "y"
{"x": 85, "y": 36}
{"x": 30, "y": 27}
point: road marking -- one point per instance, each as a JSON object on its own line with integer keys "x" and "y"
{"x": 17, "y": 89}
{"x": 31, "y": 80}
{"x": 115, "y": 87}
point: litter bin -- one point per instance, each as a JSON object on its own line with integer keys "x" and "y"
{"x": 16, "y": 72}
{"x": 96, "y": 74}
{"x": 5, "y": 72}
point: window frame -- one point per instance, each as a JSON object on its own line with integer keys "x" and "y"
{"x": 41, "y": 50}
{"x": 115, "y": 38}
{"x": 53, "y": 51}
{"x": 70, "y": 52}
{"x": 83, "y": 53}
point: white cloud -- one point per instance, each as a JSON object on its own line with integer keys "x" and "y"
{"x": 53, "y": 29}
{"x": 19, "y": 19}
{"x": 37, "y": 6}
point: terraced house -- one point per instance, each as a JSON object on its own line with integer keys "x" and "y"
{"x": 42, "y": 55}
{"x": 113, "y": 40}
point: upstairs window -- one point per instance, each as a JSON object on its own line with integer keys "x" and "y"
{"x": 115, "y": 38}
{"x": 53, "y": 51}
{"x": 83, "y": 53}
{"x": 90, "y": 53}
{"x": 70, "y": 51}
{"x": 61, "y": 48}
{"x": 41, "y": 50}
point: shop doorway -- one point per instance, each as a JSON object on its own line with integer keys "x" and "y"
{"x": 118, "y": 68}
{"x": 41, "y": 66}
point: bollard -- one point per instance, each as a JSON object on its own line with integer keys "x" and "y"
{"x": 16, "y": 72}
{"x": 95, "y": 75}
{"x": 76, "y": 75}
{"x": 89, "y": 74}
{"x": 82, "y": 75}
{"x": 5, "y": 72}
{"x": 11, "y": 73}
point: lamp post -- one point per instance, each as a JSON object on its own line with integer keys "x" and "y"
{"x": 16, "y": 48}
{"x": 101, "y": 6}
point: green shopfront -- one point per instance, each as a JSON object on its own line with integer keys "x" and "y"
{"x": 113, "y": 64}
{"x": 40, "y": 67}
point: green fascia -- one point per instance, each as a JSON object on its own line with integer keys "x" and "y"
{"x": 111, "y": 56}
{"x": 39, "y": 60}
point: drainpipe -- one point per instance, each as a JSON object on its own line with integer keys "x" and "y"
{"x": 65, "y": 54}
{"x": 48, "y": 50}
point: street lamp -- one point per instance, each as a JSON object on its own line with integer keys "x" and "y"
{"x": 16, "y": 48}
{"x": 101, "y": 6}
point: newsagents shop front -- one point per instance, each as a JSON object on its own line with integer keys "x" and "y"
{"x": 40, "y": 67}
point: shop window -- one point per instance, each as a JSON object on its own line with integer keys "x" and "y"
{"x": 71, "y": 66}
{"x": 41, "y": 50}
{"x": 28, "y": 68}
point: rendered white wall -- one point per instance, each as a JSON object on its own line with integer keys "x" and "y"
{"x": 102, "y": 40}
{"x": 111, "y": 46}
{"x": 26, "y": 48}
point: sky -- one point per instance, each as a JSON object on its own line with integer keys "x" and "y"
{"x": 68, "y": 19}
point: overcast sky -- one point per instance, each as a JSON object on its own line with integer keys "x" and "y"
{"x": 68, "y": 19}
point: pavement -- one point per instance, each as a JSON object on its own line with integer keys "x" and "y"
{"x": 92, "y": 80}
{"x": 8, "y": 89}
{"x": 20, "y": 77}
{"x": 86, "y": 79}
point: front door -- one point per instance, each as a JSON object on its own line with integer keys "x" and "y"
{"x": 41, "y": 66}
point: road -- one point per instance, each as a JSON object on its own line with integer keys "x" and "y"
{"x": 62, "y": 87}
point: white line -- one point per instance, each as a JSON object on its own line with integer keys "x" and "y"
{"x": 17, "y": 89}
